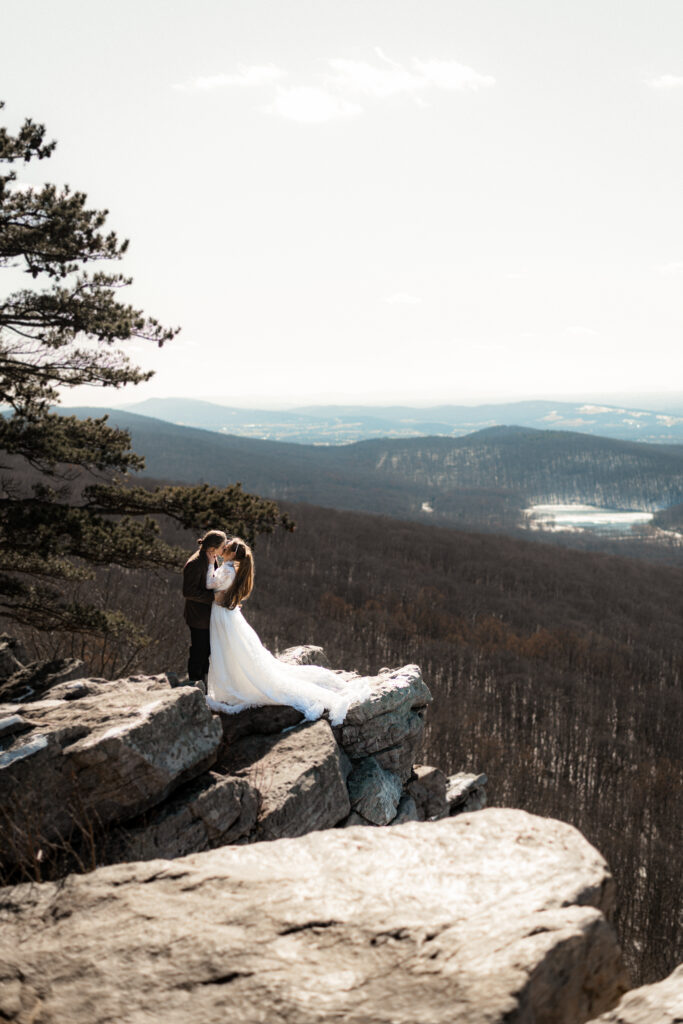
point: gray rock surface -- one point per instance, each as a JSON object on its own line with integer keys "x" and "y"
{"x": 265, "y": 721}
{"x": 299, "y": 776}
{"x": 661, "y": 1003}
{"x": 212, "y": 810}
{"x": 11, "y": 725}
{"x": 307, "y": 654}
{"x": 406, "y": 811}
{"x": 481, "y": 919}
{"x": 391, "y": 691}
{"x": 34, "y": 681}
{"x": 466, "y": 792}
{"x": 427, "y": 787}
{"x": 355, "y": 819}
{"x": 374, "y": 792}
{"x": 102, "y": 758}
{"x": 400, "y": 757}
{"x": 389, "y": 724}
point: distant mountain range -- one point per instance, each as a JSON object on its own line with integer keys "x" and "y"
{"x": 483, "y": 479}
{"x": 343, "y": 424}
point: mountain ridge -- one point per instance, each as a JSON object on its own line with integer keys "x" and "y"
{"x": 336, "y": 424}
{"x": 484, "y": 479}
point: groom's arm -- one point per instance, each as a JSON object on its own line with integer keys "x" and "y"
{"x": 194, "y": 587}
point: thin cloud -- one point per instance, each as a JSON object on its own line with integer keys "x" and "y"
{"x": 390, "y": 78}
{"x": 336, "y": 94}
{"x": 674, "y": 269}
{"x": 403, "y": 299}
{"x": 665, "y": 82}
{"x": 309, "y": 105}
{"x": 358, "y": 76}
{"x": 579, "y": 331}
{"x": 249, "y": 77}
{"x": 451, "y": 76}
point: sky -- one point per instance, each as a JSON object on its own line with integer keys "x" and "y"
{"x": 375, "y": 201}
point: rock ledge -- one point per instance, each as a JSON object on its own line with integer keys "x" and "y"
{"x": 497, "y": 917}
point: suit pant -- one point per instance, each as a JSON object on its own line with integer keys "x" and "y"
{"x": 200, "y": 651}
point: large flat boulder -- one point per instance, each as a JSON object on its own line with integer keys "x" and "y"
{"x": 661, "y": 1003}
{"x": 482, "y": 919}
{"x": 300, "y": 777}
{"x": 109, "y": 755}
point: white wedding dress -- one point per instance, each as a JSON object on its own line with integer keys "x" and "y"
{"x": 243, "y": 674}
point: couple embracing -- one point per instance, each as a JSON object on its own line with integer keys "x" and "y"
{"x": 227, "y": 653}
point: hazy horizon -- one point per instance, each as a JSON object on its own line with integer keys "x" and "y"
{"x": 656, "y": 401}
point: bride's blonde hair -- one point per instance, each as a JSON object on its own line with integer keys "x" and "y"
{"x": 237, "y": 550}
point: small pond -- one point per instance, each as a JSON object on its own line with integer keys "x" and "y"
{"x": 583, "y": 517}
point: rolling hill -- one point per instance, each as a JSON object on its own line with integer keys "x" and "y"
{"x": 481, "y": 479}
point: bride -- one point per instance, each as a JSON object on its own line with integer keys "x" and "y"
{"x": 243, "y": 674}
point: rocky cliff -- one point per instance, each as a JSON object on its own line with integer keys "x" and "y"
{"x": 232, "y": 880}
{"x": 96, "y": 771}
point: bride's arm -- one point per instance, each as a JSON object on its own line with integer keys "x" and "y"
{"x": 219, "y": 578}
{"x": 212, "y": 578}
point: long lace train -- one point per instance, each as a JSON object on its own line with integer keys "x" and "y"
{"x": 243, "y": 674}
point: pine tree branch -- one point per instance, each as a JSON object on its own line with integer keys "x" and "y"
{"x": 63, "y": 335}
{"x": 52, "y": 439}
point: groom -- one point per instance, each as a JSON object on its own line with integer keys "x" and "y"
{"x": 198, "y": 600}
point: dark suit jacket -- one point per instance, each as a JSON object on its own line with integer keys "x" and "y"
{"x": 198, "y": 599}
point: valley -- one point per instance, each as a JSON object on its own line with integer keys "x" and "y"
{"x": 482, "y": 481}
{"x": 556, "y": 671}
